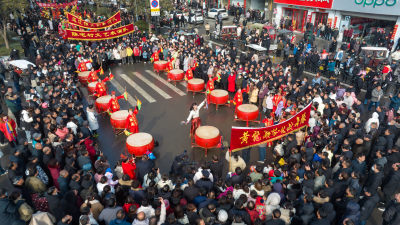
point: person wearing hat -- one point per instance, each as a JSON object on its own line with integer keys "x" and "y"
{"x": 101, "y": 89}
{"x": 93, "y": 75}
{"x": 132, "y": 125}
{"x": 113, "y": 104}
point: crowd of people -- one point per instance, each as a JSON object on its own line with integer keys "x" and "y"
{"x": 337, "y": 172}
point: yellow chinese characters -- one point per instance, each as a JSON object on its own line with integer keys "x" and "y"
{"x": 256, "y": 136}
{"x": 303, "y": 119}
{"x": 245, "y": 137}
{"x": 267, "y": 134}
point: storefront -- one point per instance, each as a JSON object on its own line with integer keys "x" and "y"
{"x": 295, "y": 14}
{"x": 369, "y": 20}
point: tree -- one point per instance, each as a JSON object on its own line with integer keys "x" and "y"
{"x": 8, "y": 7}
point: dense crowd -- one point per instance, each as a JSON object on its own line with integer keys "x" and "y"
{"x": 338, "y": 172}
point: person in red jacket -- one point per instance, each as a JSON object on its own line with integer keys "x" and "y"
{"x": 132, "y": 125}
{"x": 113, "y": 104}
{"x": 136, "y": 53}
{"x": 129, "y": 167}
{"x": 210, "y": 87}
{"x": 93, "y": 75}
{"x": 231, "y": 83}
{"x": 156, "y": 55}
{"x": 238, "y": 100}
{"x": 7, "y": 126}
{"x": 189, "y": 73}
{"x": 101, "y": 89}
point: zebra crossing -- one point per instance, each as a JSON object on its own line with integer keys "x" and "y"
{"x": 147, "y": 86}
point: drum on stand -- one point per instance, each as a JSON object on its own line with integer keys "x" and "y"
{"x": 118, "y": 119}
{"x": 92, "y": 87}
{"x": 247, "y": 112}
{"x": 138, "y": 143}
{"x": 102, "y": 103}
{"x": 195, "y": 85}
{"x": 83, "y": 77}
{"x": 160, "y": 65}
{"x": 207, "y": 137}
{"x": 219, "y": 97}
{"x": 176, "y": 75}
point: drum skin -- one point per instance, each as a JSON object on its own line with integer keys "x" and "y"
{"x": 119, "y": 123}
{"x": 195, "y": 85}
{"x": 83, "y": 77}
{"x": 176, "y": 75}
{"x": 92, "y": 87}
{"x": 210, "y": 139}
{"x": 138, "y": 149}
{"x": 219, "y": 99}
{"x": 102, "y": 103}
{"x": 247, "y": 115}
{"x": 160, "y": 65}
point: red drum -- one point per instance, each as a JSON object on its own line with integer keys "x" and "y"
{"x": 118, "y": 119}
{"x": 247, "y": 112}
{"x": 83, "y": 77}
{"x": 207, "y": 136}
{"x": 160, "y": 65}
{"x": 176, "y": 75}
{"x": 195, "y": 85}
{"x": 138, "y": 143}
{"x": 219, "y": 97}
{"x": 92, "y": 87}
{"x": 102, "y": 103}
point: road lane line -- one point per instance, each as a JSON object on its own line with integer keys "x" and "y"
{"x": 121, "y": 89}
{"x": 177, "y": 90}
{"x": 157, "y": 89}
{"x": 137, "y": 88}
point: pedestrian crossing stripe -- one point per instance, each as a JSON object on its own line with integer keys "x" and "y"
{"x": 157, "y": 77}
{"x": 117, "y": 85}
{"x": 152, "y": 85}
{"x": 137, "y": 88}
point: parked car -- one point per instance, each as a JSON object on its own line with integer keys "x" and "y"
{"x": 195, "y": 18}
{"x": 227, "y": 33}
{"x": 212, "y": 13}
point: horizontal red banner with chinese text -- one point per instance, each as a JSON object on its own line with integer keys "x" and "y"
{"x": 99, "y": 35}
{"x": 56, "y": 5}
{"x": 74, "y": 20}
{"x": 245, "y": 137}
{"x": 326, "y": 4}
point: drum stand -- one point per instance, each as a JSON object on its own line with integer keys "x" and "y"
{"x": 194, "y": 145}
{"x": 216, "y": 105}
{"x": 194, "y": 92}
{"x": 247, "y": 121}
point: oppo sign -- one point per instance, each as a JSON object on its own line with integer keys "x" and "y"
{"x": 376, "y": 3}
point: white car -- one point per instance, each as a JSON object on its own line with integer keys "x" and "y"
{"x": 195, "y": 18}
{"x": 212, "y": 13}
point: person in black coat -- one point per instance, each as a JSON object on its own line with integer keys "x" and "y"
{"x": 191, "y": 191}
{"x": 143, "y": 167}
{"x": 375, "y": 177}
{"x": 391, "y": 215}
{"x": 276, "y": 218}
{"x": 215, "y": 166}
{"x": 205, "y": 183}
{"x": 392, "y": 184}
{"x": 238, "y": 210}
{"x": 368, "y": 203}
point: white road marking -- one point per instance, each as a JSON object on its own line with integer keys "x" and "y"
{"x": 137, "y": 88}
{"x": 162, "y": 80}
{"x": 121, "y": 89}
{"x": 184, "y": 84}
{"x": 157, "y": 89}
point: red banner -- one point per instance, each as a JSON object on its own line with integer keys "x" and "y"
{"x": 74, "y": 20}
{"x": 56, "y": 5}
{"x": 245, "y": 137}
{"x": 99, "y": 35}
{"x": 326, "y": 4}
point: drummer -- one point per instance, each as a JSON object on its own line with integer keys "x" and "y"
{"x": 210, "y": 86}
{"x": 194, "y": 116}
{"x": 238, "y": 100}
{"x": 170, "y": 65}
{"x": 155, "y": 56}
{"x": 93, "y": 75}
{"x": 101, "y": 89}
{"x": 189, "y": 73}
{"x": 132, "y": 125}
{"x": 113, "y": 104}
{"x": 82, "y": 65}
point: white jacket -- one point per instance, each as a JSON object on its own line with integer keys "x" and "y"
{"x": 373, "y": 119}
{"x": 92, "y": 120}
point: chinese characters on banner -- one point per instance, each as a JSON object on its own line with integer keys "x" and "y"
{"x": 56, "y": 5}
{"x": 99, "y": 35}
{"x": 245, "y": 137}
{"x": 74, "y": 20}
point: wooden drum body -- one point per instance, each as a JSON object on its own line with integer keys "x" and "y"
{"x": 207, "y": 137}
{"x": 118, "y": 119}
{"x": 247, "y": 112}
{"x": 83, "y": 77}
{"x": 102, "y": 103}
{"x": 137, "y": 144}
{"x": 176, "y": 75}
{"x": 195, "y": 85}
{"x": 92, "y": 87}
{"x": 160, "y": 65}
{"x": 219, "y": 97}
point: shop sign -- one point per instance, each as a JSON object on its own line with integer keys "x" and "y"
{"x": 326, "y": 4}
{"x": 383, "y": 7}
